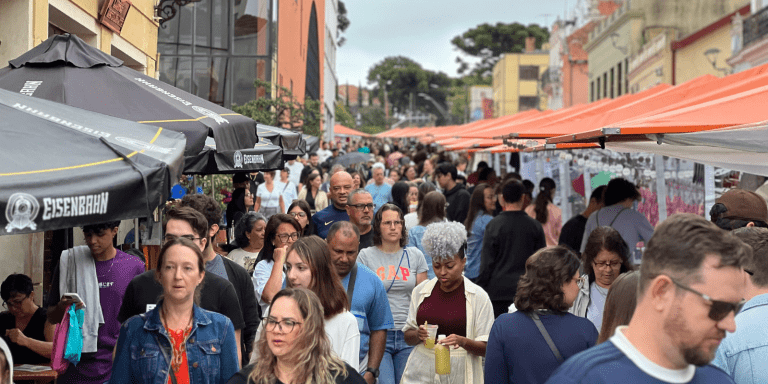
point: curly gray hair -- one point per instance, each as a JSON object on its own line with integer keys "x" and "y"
{"x": 443, "y": 240}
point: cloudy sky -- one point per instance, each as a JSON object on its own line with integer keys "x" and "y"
{"x": 422, "y": 30}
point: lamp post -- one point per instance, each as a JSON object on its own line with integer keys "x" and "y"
{"x": 439, "y": 108}
{"x": 711, "y": 55}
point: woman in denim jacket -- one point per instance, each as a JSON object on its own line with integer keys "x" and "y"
{"x": 177, "y": 342}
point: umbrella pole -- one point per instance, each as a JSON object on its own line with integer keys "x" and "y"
{"x": 137, "y": 233}
{"x": 213, "y": 196}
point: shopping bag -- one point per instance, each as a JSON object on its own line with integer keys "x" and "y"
{"x": 58, "y": 362}
{"x": 74, "y": 335}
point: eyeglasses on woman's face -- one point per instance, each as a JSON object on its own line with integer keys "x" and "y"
{"x": 607, "y": 264}
{"x": 16, "y": 303}
{"x": 285, "y": 325}
{"x": 285, "y": 236}
{"x": 301, "y": 214}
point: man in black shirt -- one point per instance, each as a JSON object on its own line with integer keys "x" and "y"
{"x": 360, "y": 210}
{"x": 509, "y": 240}
{"x": 456, "y": 196}
{"x": 573, "y": 230}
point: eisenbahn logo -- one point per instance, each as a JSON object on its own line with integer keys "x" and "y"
{"x": 21, "y": 212}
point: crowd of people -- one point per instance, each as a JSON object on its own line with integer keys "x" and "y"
{"x": 340, "y": 274}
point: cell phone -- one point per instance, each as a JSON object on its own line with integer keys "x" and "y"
{"x": 73, "y": 296}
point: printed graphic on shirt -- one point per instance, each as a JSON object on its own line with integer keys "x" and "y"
{"x": 402, "y": 274}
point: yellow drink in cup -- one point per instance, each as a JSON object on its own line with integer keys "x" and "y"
{"x": 442, "y": 358}
{"x": 432, "y": 330}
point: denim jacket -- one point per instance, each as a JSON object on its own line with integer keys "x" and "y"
{"x": 743, "y": 355}
{"x": 211, "y": 349}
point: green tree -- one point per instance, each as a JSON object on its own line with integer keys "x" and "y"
{"x": 405, "y": 79}
{"x": 342, "y": 23}
{"x": 343, "y": 116}
{"x": 487, "y": 42}
{"x": 283, "y": 110}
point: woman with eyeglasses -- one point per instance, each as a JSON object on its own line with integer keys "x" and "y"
{"x": 400, "y": 269}
{"x": 24, "y": 325}
{"x": 605, "y": 257}
{"x": 269, "y": 198}
{"x": 312, "y": 194}
{"x": 282, "y": 230}
{"x": 518, "y": 350}
{"x": 432, "y": 211}
{"x": 177, "y": 341}
{"x": 301, "y": 211}
{"x": 461, "y": 310}
{"x": 294, "y": 347}
{"x": 249, "y": 240}
{"x": 308, "y": 265}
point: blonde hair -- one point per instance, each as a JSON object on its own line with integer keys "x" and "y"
{"x": 312, "y": 357}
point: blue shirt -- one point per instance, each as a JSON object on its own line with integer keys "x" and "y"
{"x": 518, "y": 353}
{"x": 617, "y": 361}
{"x": 211, "y": 349}
{"x": 370, "y": 306}
{"x": 475, "y": 245}
{"x": 216, "y": 266}
{"x": 744, "y": 354}
{"x": 381, "y": 194}
{"x": 325, "y": 218}
{"x": 415, "y": 235}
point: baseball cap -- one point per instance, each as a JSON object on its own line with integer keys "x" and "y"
{"x": 744, "y": 205}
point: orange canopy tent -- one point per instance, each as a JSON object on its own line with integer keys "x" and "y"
{"x": 701, "y": 104}
{"x": 339, "y": 129}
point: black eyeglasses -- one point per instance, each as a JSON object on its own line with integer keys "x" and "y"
{"x": 361, "y": 207}
{"x": 284, "y": 325}
{"x": 285, "y": 236}
{"x": 299, "y": 214}
{"x": 14, "y": 303}
{"x": 718, "y": 310}
{"x": 169, "y": 237}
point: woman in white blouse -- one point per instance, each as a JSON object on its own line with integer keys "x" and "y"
{"x": 269, "y": 199}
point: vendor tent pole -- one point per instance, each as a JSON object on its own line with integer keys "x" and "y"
{"x": 507, "y": 161}
{"x": 497, "y": 163}
{"x": 565, "y": 189}
{"x": 213, "y": 187}
{"x": 661, "y": 187}
{"x": 709, "y": 189}
{"x": 587, "y": 185}
{"x": 539, "y": 170}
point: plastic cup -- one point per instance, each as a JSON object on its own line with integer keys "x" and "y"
{"x": 432, "y": 331}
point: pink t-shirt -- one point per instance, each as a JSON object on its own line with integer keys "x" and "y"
{"x": 554, "y": 223}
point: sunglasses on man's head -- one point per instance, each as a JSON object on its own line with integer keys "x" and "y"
{"x": 718, "y": 310}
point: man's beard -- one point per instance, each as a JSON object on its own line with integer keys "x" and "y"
{"x": 679, "y": 331}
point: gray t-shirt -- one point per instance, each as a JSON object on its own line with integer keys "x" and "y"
{"x": 397, "y": 272}
{"x": 631, "y": 224}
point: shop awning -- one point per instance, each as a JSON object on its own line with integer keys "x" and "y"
{"x": 341, "y": 130}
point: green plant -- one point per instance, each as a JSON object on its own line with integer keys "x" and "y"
{"x": 283, "y": 110}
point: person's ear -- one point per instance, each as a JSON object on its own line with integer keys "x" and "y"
{"x": 750, "y": 224}
{"x": 661, "y": 291}
{"x": 213, "y": 230}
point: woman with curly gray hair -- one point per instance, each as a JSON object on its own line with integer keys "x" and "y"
{"x": 461, "y": 310}
{"x": 528, "y": 345}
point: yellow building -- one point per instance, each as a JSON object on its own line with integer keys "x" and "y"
{"x": 693, "y": 54}
{"x": 25, "y": 24}
{"x": 516, "y": 82}
{"x": 653, "y": 64}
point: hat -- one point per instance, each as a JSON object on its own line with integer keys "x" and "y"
{"x": 744, "y": 205}
{"x": 239, "y": 178}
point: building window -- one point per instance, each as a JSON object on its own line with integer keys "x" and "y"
{"x": 618, "y": 80}
{"x": 605, "y": 85}
{"x": 312, "y": 82}
{"x": 612, "y": 83}
{"x": 529, "y": 72}
{"x": 591, "y": 91}
{"x": 527, "y": 102}
{"x": 215, "y": 49}
{"x": 597, "y": 97}
{"x": 626, "y": 75}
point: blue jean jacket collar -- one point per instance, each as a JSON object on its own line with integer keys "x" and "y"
{"x": 154, "y": 323}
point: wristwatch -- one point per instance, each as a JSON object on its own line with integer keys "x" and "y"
{"x": 373, "y": 371}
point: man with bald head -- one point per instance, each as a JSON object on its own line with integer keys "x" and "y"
{"x": 341, "y": 185}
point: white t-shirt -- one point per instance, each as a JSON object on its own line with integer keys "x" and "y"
{"x": 295, "y": 175}
{"x": 269, "y": 199}
{"x": 345, "y": 337}
{"x": 260, "y": 277}
{"x": 288, "y": 190}
{"x": 411, "y": 220}
{"x": 241, "y": 256}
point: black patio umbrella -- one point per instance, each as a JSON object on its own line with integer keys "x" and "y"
{"x": 62, "y": 167}
{"x": 292, "y": 142}
{"x": 67, "y": 70}
{"x": 263, "y": 155}
{"x": 352, "y": 158}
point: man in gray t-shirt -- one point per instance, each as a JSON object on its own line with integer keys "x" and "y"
{"x": 618, "y": 213}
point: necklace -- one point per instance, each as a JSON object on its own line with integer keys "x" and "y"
{"x": 178, "y": 341}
